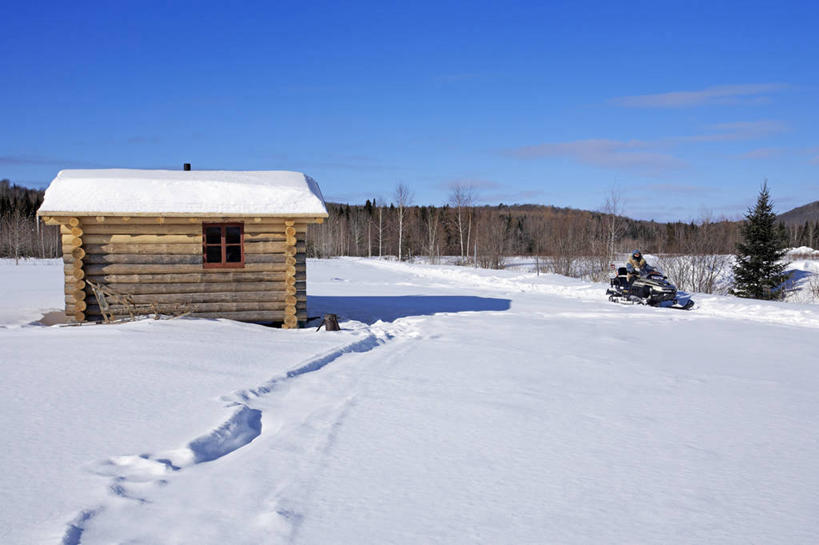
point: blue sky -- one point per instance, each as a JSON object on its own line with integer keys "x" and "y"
{"x": 683, "y": 107}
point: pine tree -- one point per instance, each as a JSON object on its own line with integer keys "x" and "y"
{"x": 758, "y": 273}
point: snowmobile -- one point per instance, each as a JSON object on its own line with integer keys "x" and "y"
{"x": 653, "y": 289}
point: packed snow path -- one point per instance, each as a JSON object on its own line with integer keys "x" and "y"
{"x": 459, "y": 406}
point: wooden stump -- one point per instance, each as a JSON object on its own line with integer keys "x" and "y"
{"x": 330, "y": 323}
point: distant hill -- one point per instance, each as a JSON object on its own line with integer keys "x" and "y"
{"x": 798, "y": 216}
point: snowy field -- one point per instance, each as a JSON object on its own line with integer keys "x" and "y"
{"x": 458, "y": 406}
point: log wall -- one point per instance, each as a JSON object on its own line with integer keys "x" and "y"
{"x": 157, "y": 263}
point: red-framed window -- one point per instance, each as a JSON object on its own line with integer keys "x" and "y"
{"x": 223, "y": 245}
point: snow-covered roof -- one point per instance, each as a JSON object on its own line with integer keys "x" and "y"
{"x": 183, "y": 193}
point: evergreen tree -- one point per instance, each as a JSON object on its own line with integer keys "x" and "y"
{"x": 758, "y": 274}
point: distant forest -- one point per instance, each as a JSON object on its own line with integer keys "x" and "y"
{"x": 21, "y": 235}
{"x": 486, "y": 235}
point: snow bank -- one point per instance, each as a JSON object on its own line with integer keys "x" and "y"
{"x": 124, "y": 191}
{"x": 802, "y": 251}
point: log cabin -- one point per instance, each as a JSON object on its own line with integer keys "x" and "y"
{"x": 205, "y": 243}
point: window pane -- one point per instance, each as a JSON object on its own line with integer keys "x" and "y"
{"x": 213, "y": 254}
{"x": 234, "y": 235}
{"x": 213, "y": 235}
{"x": 234, "y": 254}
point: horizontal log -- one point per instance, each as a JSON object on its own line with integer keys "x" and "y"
{"x": 190, "y": 298}
{"x": 195, "y": 287}
{"x": 143, "y": 229}
{"x": 73, "y": 300}
{"x": 145, "y": 259}
{"x": 173, "y": 249}
{"x": 206, "y": 276}
{"x": 131, "y": 268}
{"x": 267, "y": 316}
{"x": 70, "y": 241}
{"x": 73, "y": 231}
{"x": 168, "y": 308}
{"x": 175, "y": 259}
{"x": 195, "y": 238}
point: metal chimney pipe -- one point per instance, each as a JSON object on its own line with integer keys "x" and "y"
{"x": 186, "y": 166}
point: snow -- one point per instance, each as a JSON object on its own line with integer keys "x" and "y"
{"x": 126, "y": 191}
{"x": 803, "y": 251}
{"x": 456, "y": 406}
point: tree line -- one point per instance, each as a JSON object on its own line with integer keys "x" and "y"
{"x": 21, "y": 233}
{"x": 565, "y": 241}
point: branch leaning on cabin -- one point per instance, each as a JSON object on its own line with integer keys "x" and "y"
{"x": 105, "y": 297}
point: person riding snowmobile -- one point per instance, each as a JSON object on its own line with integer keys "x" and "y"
{"x": 637, "y": 266}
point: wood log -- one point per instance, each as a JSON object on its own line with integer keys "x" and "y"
{"x": 290, "y": 299}
{"x": 175, "y": 259}
{"x": 290, "y": 322}
{"x": 167, "y": 308}
{"x": 77, "y": 316}
{"x": 290, "y": 310}
{"x": 143, "y": 229}
{"x": 75, "y": 285}
{"x": 290, "y": 251}
{"x": 73, "y": 222}
{"x": 194, "y": 288}
{"x": 144, "y": 239}
{"x": 145, "y": 259}
{"x": 132, "y": 268}
{"x": 71, "y": 242}
{"x": 264, "y": 237}
{"x": 290, "y": 231}
{"x": 78, "y": 253}
{"x": 175, "y": 249}
{"x": 213, "y": 275}
{"x": 217, "y": 297}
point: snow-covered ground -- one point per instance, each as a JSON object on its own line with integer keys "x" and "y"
{"x": 457, "y": 406}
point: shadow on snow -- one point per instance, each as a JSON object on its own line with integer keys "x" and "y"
{"x": 370, "y": 309}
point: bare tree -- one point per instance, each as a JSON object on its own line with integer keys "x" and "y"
{"x": 462, "y": 198}
{"x": 615, "y": 225}
{"x": 403, "y": 199}
{"x": 432, "y": 221}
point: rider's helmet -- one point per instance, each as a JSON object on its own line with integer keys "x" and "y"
{"x": 636, "y": 254}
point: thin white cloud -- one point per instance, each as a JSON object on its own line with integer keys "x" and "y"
{"x": 633, "y": 155}
{"x": 740, "y": 130}
{"x": 762, "y": 153}
{"x": 751, "y": 93}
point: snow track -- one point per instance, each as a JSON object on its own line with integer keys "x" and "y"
{"x": 137, "y": 477}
